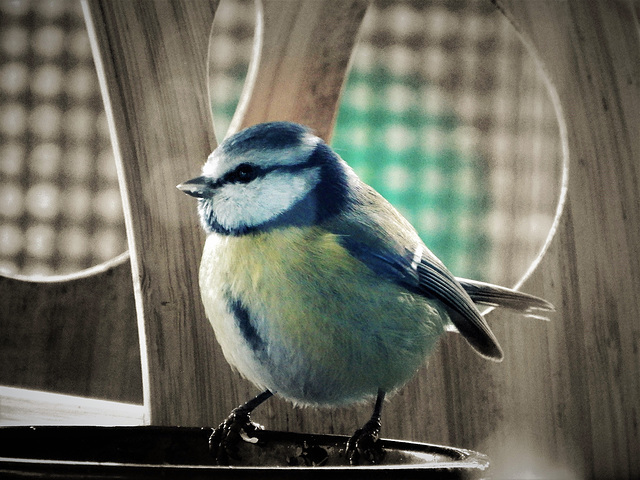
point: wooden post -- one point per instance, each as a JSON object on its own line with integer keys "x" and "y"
{"x": 566, "y": 399}
{"x": 300, "y": 62}
{"x": 152, "y": 64}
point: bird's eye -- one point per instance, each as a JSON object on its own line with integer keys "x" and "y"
{"x": 243, "y": 173}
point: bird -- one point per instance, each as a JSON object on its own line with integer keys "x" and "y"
{"x": 318, "y": 290}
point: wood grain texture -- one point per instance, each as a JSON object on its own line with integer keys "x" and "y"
{"x": 75, "y": 335}
{"x": 152, "y": 59}
{"x": 300, "y": 61}
{"x": 591, "y": 52}
{"x": 566, "y": 399}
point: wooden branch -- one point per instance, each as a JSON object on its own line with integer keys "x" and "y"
{"x": 300, "y": 62}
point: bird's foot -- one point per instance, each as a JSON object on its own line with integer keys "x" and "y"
{"x": 364, "y": 446}
{"x": 224, "y": 441}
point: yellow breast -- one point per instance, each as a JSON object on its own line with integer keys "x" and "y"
{"x": 318, "y": 309}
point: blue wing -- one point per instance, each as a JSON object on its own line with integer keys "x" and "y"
{"x": 392, "y": 265}
{"x": 377, "y": 235}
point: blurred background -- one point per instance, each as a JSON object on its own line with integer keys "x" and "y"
{"x": 444, "y": 112}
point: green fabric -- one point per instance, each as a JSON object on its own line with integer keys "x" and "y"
{"x": 440, "y": 190}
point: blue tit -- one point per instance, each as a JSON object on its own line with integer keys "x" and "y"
{"x": 317, "y": 289}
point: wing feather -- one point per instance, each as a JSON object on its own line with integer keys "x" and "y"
{"x": 436, "y": 281}
{"x": 377, "y": 235}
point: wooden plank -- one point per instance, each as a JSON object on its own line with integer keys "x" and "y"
{"x": 152, "y": 64}
{"x": 74, "y": 334}
{"x": 20, "y": 406}
{"x": 568, "y": 392}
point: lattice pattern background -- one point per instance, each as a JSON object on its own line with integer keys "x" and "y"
{"x": 454, "y": 126}
{"x": 60, "y": 207}
{"x": 443, "y": 112}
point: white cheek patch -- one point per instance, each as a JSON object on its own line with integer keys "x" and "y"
{"x": 247, "y": 205}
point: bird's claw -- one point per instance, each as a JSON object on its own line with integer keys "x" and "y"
{"x": 364, "y": 446}
{"x": 224, "y": 441}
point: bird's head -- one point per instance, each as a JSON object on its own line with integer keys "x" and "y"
{"x": 269, "y": 175}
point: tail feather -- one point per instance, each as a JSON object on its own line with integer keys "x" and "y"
{"x": 495, "y": 296}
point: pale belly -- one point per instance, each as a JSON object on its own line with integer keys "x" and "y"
{"x": 296, "y": 314}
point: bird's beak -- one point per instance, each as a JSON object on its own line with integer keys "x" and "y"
{"x": 197, "y": 187}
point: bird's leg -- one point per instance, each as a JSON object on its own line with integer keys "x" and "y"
{"x": 223, "y": 442}
{"x": 364, "y": 446}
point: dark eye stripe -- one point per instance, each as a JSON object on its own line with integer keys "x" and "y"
{"x": 246, "y": 172}
{"x": 243, "y": 173}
